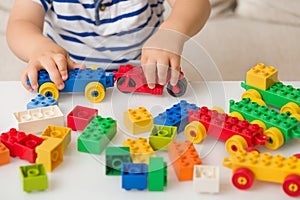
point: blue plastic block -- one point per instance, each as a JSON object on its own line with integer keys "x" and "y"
{"x": 79, "y": 78}
{"x": 41, "y": 101}
{"x": 134, "y": 176}
{"x": 177, "y": 115}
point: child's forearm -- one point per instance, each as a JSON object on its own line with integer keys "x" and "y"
{"x": 187, "y": 17}
{"x": 24, "y": 31}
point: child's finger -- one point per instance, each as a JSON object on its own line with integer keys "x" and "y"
{"x": 54, "y": 74}
{"x": 175, "y": 70}
{"x": 32, "y": 74}
{"x": 24, "y": 77}
{"x": 62, "y": 65}
{"x": 162, "y": 72}
{"x": 150, "y": 74}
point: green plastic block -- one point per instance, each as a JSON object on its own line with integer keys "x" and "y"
{"x": 289, "y": 126}
{"x": 115, "y": 156}
{"x": 34, "y": 177}
{"x": 161, "y": 136}
{"x": 277, "y": 95}
{"x": 98, "y": 133}
{"x": 157, "y": 174}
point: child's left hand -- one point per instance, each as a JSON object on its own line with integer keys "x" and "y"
{"x": 161, "y": 52}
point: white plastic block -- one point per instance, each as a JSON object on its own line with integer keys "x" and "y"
{"x": 36, "y": 120}
{"x": 206, "y": 179}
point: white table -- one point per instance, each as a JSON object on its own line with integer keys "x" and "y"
{"x": 82, "y": 176}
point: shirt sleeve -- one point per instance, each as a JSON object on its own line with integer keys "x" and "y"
{"x": 45, "y": 3}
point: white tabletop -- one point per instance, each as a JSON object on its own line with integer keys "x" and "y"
{"x": 82, "y": 175}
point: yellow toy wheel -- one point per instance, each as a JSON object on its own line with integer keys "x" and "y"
{"x": 94, "y": 67}
{"x": 275, "y": 138}
{"x": 259, "y": 101}
{"x": 195, "y": 131}
{"x": 259, "y": 123}
{"x": 297, "y": 116}
{"x": 252, "y": 94}
{"x": 94, "y": 92}
{"x": 237, "y": 115}
{"x": 290, "y": 107}
{"x": 236, "y": 143}
{"x": 49, "y": 90}
{"x": 218, "y": 109}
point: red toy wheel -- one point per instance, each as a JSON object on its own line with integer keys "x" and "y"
{"x": 242, "y": 178}
{"x": 291, "y": 185}
{"x": 126, "y": 84}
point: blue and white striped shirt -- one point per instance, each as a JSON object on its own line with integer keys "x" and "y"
{"x": 102, "y": 31}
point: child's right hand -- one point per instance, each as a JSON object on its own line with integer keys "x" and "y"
{"x": 55, "y": 60}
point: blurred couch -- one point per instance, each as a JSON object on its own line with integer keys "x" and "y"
{"x": 238, "y": 35}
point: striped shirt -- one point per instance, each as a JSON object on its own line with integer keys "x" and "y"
{"x": 102, "y": 31}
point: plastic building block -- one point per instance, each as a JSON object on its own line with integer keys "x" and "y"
{"x": 138, "y": 121}
{"x": 4, "y": 154}
{"x": 80, "y": 117}
{"x": 50, "y": 153}
{"x": 157, "y": 174}
{"x": 183, "y": 157}
{"x": 131, "y": 78}
{"x": 63, "y": 133}
{"x": 281, "y": 127}
{"x": 161, "y": 136}
{"x": 206, "y": 179}
{"x": 10, "y": 138}
{"x": 134, "y": 176}
{"x": 95, "y": 137}
{"x": 223, "y": 127}
{"x": 140, "y": 150}
{"x": 277, "y": 95}
{"x": 41, "y": 101}
{"x": 34, "y": 177}
{"x": 92, "y": 82}
{"x": 262, "y": 76}
{"x": 114, "y": 157}
{"x": 25, "y": 148}
{"x": 248, "y": 166}
{"x": 177, "y": 115}
{"x": 35, "y": 120}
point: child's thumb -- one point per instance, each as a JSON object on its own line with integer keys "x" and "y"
{"x": 73, "y": 65}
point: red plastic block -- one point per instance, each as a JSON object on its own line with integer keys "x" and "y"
{"x": 10, "y": 138}
{"x": 26, "y": 147}
{"x": 80, "y": 117}
{"x": 183, "y": 157}
{"x": 4, "y": 154}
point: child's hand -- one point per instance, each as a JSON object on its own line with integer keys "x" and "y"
{"x": 161, "y": 52}
{"x": 55, "y": 60}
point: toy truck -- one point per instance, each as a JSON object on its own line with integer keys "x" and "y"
{"x": 279, "y": 127}
{"x": 131, "y": 79}
{"x": 238, "y": 134}
{"x": 262, "y": 85}
{"x": 247, "y": 166}
{"x": 93, "y": 82}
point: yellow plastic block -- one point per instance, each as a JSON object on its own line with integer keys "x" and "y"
{"x": 50, "y": 153}
{"x": 264, "y": 166}
{"x": 138, "y": 121}
{"x": 261, "y": 76}
{"x": 63, "y": 133}
{"x": 140, "y": 150}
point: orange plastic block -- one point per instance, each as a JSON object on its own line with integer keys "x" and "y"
{"x": 138, "y": 121}
{"x": 50, "y": 153}
{"x": 261, "y": 76}
{"x": 63, "y": 133}
{"x": 140, "y": 150}
{"x": 183, "y": 157}
{"x": 4, "y": 154}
